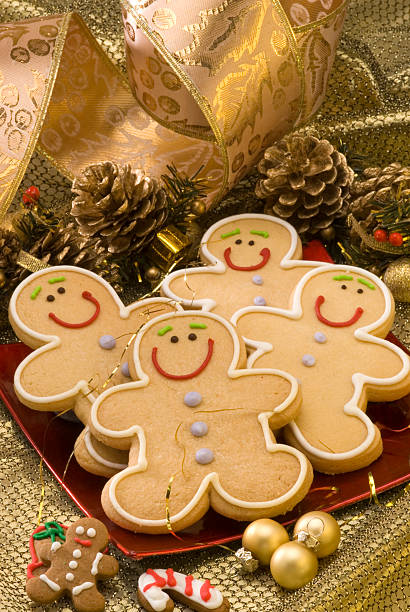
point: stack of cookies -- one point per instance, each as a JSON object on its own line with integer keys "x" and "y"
{"x": 188, "y": 388}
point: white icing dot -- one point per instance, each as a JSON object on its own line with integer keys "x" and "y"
{"x": 55, "y": 546}
{"x": 76, "y": 553}
{"x": 91, "y": 532}
{"x": 79, "y": 530}
{"x": 69, "y": 577}
{"x": 73, "y": 565}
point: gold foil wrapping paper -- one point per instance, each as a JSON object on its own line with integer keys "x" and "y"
{"x": 215, "y": 82}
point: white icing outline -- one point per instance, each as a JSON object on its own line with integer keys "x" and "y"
{"x": 212, "y": 478}
{"x": 82, "y": 587}
{"x": 53, "y": 341}
{"x": 217, "y": 266}
{"x": 358, "y": 380}
{"x": 52, "y": 585}
{"x": 158, "y": 599}
{"x": 96, "y": 456}
{"x": 94, "y": 567}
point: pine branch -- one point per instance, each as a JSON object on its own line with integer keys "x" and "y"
{"x": 182, "y": 192}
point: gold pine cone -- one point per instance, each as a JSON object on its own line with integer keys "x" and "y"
{"x": 305, "y": 181}
{"x": 122, "y": 208}
{"x": 65, "y": 246}
{"x": 378, "y": 184}
{"x": 10, "y": 247}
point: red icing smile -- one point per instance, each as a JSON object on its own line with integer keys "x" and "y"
{"x": 83, "y": 542}
{"x": 320, "y": 300}
{"x": 184, "y": 376}
{"x": 87, "y": 296}
{"x": 265, "y": 254}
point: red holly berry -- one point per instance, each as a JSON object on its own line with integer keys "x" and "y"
{"x": 31, "y": 196}
{"x": 380, "y": 235}
{"x": 396, "y": 239}
{"x": 33, "y": 192}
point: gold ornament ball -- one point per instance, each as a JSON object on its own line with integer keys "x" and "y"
{"x": 263, "y": 537}
{"x": 397, "y": 278}
{"x": 323, "y": 527}
{"x": 198, "y": 208}
{"x": 2, "y": 279}
{"x": 152, "y": 273}
{"x": 293, "y": 565}
{"x": 328, "y": 234}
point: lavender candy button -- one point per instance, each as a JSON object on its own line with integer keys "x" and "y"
{"x": 257, "y": 280}
{"x": 259, "y": 301}
{"x": 199, "y": 429}
{"x": 308, "y": 360}
{"x": 204, "y": 456}
{"x": 125, "y": 370}
{"x": 320, "y": 337}
{"x": 192, "y": 399}
{"x": 107, "y": 342}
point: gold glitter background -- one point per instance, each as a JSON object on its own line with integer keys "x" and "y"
{"x": 368, "y": 107}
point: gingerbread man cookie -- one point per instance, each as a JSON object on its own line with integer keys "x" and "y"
{"x": 80, "y": 329}
{"x": 70, "y": 560}
{"x": 198, "y": 594}
{"x": 197, "y": 424}
{"x": 332, "y": 341}
{"x": 252, "y": 260}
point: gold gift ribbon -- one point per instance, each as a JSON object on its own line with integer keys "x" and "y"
{"x": 215, "y": 82}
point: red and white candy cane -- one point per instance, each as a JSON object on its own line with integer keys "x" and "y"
{"x": 198, "y": 594}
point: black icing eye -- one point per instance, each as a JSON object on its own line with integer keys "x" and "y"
{"x": 192, "y": 336}
{"x": 251, "y": 242}
{"x": 239, "y": 241}
{"x": 61, "y": 290}
{"x": 360, "y": 291}
{"x": 174, "y": 339}
{"x": 50, "y": 298}
{"x": 344, "y": 287}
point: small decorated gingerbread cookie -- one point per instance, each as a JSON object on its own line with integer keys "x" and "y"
{"x": 252, "y": 260}
{"x": 199, "y": 595}
{"x": 331, "y": 341}
{"x": 198, "y": 428}
{"x": 70, "y": 560}
{"x": 80, "y": 329}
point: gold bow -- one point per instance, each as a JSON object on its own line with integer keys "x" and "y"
{"x": 211, "y": 84}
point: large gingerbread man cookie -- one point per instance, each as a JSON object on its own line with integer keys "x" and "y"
{"x": 331, "y": 340}
{"x": 80, "y": 330}
{"x": 70, "y": 560}
{"x": 198, "y": 426}
{"x": 251, "y": 260}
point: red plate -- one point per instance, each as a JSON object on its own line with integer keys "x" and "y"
{"x": 390, "y": 470}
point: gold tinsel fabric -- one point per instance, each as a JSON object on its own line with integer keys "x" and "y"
{"x": 368, "y": 106}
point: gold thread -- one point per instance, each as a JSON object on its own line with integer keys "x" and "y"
{"x": 42, "y": 494}
{"x": 41, "y": 464}
{"x": 373, "y": 493}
